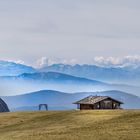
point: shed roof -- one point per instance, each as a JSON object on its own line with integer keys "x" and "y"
{"x": 95, "y": 99}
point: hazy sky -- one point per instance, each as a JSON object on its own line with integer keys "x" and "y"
{"x": 69, "y": 29}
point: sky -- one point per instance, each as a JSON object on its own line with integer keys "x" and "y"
{"x": 74, "y": 31}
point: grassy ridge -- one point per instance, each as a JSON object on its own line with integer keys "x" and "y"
{"x": 71, "y": 125}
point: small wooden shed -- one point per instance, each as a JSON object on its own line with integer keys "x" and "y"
{"x": 98, "y": 102}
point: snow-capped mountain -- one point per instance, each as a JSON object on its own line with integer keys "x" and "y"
{"x": 12, "y": 69}
{"x": 125, "y": 75}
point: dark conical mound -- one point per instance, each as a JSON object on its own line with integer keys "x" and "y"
{"x": 3, "y": 106}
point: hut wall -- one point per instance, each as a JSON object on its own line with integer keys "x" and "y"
{"x": 116, "y": 105}
{"x": 106, "y": 104}
{"x": 109, "y": 104}
{"x": 86, "y": 107}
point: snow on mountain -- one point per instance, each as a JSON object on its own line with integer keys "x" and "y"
{"x": 125, "y": 75}
{"x": 12, "y": 69}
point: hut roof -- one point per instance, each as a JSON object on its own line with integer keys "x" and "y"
{"x": 95, "y": 99}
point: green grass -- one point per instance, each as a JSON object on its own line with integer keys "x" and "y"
{"x": 71, "y": 125}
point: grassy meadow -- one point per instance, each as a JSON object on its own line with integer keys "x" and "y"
{"x": 71, "y": 125}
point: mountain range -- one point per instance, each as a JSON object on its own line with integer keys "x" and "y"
{"x": 29, "y": 82}
{"x": 53, "y": 77}
{"x": 121, "y": 75}
{"x": 125, "y": 75}
{"x": 59, "y": 100}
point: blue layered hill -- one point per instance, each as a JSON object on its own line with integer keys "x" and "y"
{"x": 29, "y": 82}
{"x": 59, "y": 100}
{"x": 57, "y": 77}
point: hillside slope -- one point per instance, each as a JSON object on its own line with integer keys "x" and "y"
{"x": 71, "y": 125}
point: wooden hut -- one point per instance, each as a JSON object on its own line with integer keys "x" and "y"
{"x": 98, "y": 102}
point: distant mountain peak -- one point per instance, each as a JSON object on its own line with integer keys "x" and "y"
{"x": 107, "y": 74}
{"x": 57, "y": 76}
{"x": 12, "y": 69}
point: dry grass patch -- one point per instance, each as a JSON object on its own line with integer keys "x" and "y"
{"x": 71, "y": 125}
